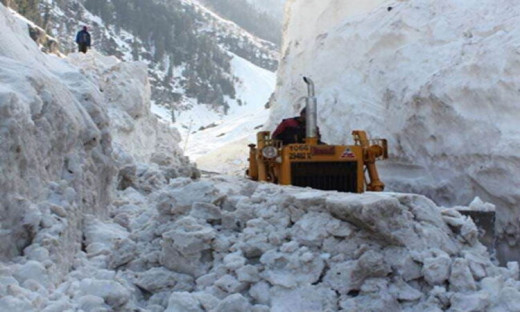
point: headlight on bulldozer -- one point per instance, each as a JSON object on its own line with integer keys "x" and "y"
{"x": 269, "y": 152}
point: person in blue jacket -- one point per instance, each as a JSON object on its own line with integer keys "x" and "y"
{"x": 83, "y": 40}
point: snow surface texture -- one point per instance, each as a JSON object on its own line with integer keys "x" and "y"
{"x": 438, "y": 79}
{"x": 57, "y": 159}
{"x": 229, "y": 244}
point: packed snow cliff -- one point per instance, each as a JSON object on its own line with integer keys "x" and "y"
{"x": 68, "y": 136}
{"x": 438, "y": 79}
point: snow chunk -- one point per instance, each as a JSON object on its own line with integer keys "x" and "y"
{"x": 478, "y": 205}
{"x": 290, "y": 269}
{"x": 234, "y": 303}
{"x": 461, "y": 279}
{"x": 314, "y": 227}
{"x": 184, "y": 247}
{"x": 306, "y": 298}
{"x": 436, "y": 269}
{"x": 206, "y": 211}
{"x": 90, "y": 303}
{"x": 13, "y": 304}
{"x": 125, "y": 76}
{"x": 32, "y": 270}
{"x": 158, "y": 279}
{"x": 178, "y": 201}
{"x": 112, "y": 292}
{"x": 230, "y": 284}
{"x": 183, "y": 302}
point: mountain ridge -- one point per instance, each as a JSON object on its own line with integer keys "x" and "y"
{"x": 188, "y": 55}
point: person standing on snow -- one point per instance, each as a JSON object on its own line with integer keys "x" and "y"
{"x": 83, "y": 40}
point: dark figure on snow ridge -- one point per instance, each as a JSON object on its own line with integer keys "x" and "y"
{"x": 293, "y": 130}
{"x": 83, "y": 40}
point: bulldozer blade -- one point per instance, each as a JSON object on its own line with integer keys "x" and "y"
{"x": 485, "y": 222}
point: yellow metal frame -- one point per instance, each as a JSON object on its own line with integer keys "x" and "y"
{"x": 308, "y": 153}
{"x": 365, "y": 152}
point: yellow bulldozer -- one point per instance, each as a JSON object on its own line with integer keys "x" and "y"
{"x": 342, "y": 168}
{"x": 310, "y": 163}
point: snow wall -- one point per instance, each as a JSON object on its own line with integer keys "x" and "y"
{"x": 438, "y": 79}
{"x": 69, "y": 138}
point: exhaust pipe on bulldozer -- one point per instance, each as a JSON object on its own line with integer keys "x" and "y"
{"x": 311, "y": 118}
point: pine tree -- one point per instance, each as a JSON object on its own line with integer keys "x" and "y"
{"x": 169, "y": 74}
{"x": 27, "y": 8}
{"x": 135, "y": 50}
{"x": 7, "y": 3}
{"x": 173, "y": 33}
{"x": 46, "y": 18}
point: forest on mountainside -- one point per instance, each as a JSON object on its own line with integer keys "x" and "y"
{"x": 246, "y": 16}
{"x": 187, "y": 50}
{"x": 28, "y": 8}
{"x": 173, "y": 35}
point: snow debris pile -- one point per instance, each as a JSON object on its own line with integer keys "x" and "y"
{"x": 64, "y": 148}
{"x": 438, "y": 79}
{"x": 144, "y": 147}
{"x": 227, "y": 244}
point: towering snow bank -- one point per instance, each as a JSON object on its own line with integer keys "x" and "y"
{"x": 437, "y": 78}
{"x": 58, "y": 127}
{"x": 55, "y": 155}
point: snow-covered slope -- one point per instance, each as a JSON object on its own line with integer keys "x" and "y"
{"x": 439, "y": 79}
{"x": 218, "y": 142}
{"x": 273, "y": 8}
{"x": 173, "y": 72}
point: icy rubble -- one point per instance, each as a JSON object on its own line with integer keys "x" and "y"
{"x": 228, "y": 244}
